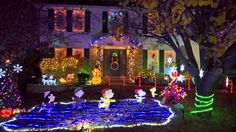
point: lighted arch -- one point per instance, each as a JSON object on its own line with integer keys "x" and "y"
{"x": 109, "y": 38}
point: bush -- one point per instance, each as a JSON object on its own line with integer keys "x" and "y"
{"x": 146, "y": 73}
{"x": 86, "y": 69}
{"x": 59, "y": 68}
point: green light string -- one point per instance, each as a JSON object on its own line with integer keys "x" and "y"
{"x": 204, "y": 103}
{"x": 204, "y": 97}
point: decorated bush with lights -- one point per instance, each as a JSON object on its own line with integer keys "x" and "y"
{"x": 64, "y": 70}
{"x": 146, "y": 75}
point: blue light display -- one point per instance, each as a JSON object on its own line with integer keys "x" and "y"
{"x": 64, "y": 115}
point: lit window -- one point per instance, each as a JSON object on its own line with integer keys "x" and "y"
{"x": 169, "y": 53}
{"x": 153, "y": 60}
{"x": 60, "y": 20}
{"x": 60, "y": 52}
{"x": 78, "y": 53}
{"x": 78, "y": 20}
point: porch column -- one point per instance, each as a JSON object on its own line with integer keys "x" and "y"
{"x": 93, "y": 51}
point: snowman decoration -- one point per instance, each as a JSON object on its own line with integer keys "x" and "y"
{"x": 139, "y": 95}
{"x": 106, "y": 99}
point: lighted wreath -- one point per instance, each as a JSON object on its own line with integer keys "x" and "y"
{"x": 114, "y": 61}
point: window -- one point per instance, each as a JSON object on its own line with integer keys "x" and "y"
{"x": 153, "y": 60}
{"x": 169, "y": 53}
{"x": 78, "y": 20}
{"x": 60, "y": 20}
{"x": 60, "y": 52}
{"x": 115, "y": 20}
{"x": 78, "y": 53}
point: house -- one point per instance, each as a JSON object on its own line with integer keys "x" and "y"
{"x": 88, "y": 31}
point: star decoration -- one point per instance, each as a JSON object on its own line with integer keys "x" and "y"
{"x": 17, "y": 68}
{"x": 169, "y": 60}
{"x": 2, "y": 73}
{"x": 173, "y": 68}
{"x": 181, "y": 78}
{"x": 182, "y": 68}
{"x": 201, "y": 73}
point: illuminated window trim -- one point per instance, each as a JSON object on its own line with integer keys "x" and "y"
{"x": 57, "y": 50}
{"x": 56, "y": 14}
{"x": 81, "y": 13}
{"x": 81, "y": 50}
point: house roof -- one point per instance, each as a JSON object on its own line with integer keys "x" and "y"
{"x": 81, "y": 2}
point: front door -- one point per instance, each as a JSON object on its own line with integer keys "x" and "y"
{"x": 114, "y": 62}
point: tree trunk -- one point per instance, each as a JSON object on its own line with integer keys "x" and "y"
{"x": 205, "y": 92}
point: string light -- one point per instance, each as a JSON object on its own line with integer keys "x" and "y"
{"x": 227, "y": 82}
{"x": 122, "y": 113}
{"x": 10, "y": 96}
{"x": 204, "y": 103}
{"x": 60, "y": 20}
{"x": 124, "y": 37}
{"x": 201, "y": 73}
{"x": 59, "y": 68}
{"x": 131, "y": 64}
{"x": 78, "y": 20}
{"x": 182, "y": 68}
{"x": 48, "y": 65}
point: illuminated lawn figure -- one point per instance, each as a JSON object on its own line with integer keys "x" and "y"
{"x": 122, "y": 113}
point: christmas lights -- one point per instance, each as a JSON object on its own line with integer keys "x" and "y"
{"x": 2, "y": 73}
{"x": 173, "y": 93}
{"x": 49, "y": 65}
{"x": 124, "y": 37}
{"x": 122, "y": 113}
{"x": 182, "y": 68}
{"x": 131, "y": 68}
{"x": 153, "y": 92}
{"x": 78, "y": 20}
{"x": 97, "y": 77}
{"x": 10, "y": 96}
{"x": 203, "y": 103}
{"x": 63, "y": 69}
{"x": 60, "y": 20}
{"x": 201, "y": 73}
